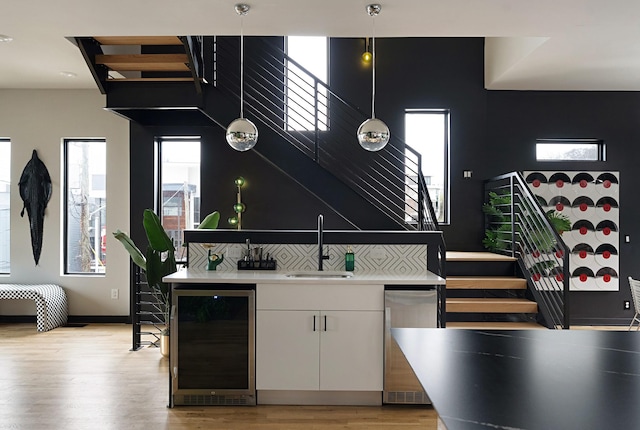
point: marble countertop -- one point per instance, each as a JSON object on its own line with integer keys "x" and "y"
{"x": 280, "y": 277}
{"x": 527, "y": 379}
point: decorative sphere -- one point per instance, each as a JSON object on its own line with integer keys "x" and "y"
{"x": 239, "y": 181}
{"x": 373, "y": 134}
{"x": 239, "y": 207}
{"x": 233, "y": 220}
{"x": 367, "y": 56}
{"x": 242, "y": 134}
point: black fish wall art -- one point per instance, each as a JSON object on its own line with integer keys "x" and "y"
{"x": 35, "y": 191}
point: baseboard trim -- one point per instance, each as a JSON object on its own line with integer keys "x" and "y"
{"x": 601, "y": 321}
{"x": 73, "y": 319}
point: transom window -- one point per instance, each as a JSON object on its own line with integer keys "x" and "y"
{"x": 570, "y": 150}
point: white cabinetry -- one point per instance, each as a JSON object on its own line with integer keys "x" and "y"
{"x": 319, "y": 337}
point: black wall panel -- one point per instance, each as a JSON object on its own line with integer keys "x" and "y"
{"x": 492, "y": 132}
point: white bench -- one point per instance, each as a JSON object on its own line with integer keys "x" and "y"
{"x": 51, "y": 302}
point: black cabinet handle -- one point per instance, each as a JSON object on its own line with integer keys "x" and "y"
{"x": 325, "y": 323}
{"x": 314, "y": 323}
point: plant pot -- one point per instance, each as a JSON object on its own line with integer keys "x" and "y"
{"x": 164, "y": 345}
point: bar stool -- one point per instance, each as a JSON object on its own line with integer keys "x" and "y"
{"x": 634, "y": 284}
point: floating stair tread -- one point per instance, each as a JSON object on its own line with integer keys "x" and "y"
{"x": 145, "y": 62}
{"x": 477, "y": 256}
{"x": 138, "y": 40}
{"x": 495, "y": 325}
{"x": 152, "y": 80}
{"x": 497, "y": 305}
{"x": 485, "y": 283}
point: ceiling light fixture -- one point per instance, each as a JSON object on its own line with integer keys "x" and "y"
{"x": 366, "y": 55}
{"x": 373, "y": 134}
{"x": 69, "y": 74}
{"x": 5, "y": 38}
{"x": 242, "y": 134}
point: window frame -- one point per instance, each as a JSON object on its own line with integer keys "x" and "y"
{"x": 65, "y": 205}
{"x": 446, "y": 116}
{"x": 323, "y": 120}
{"x": 601, "y": 149}
{"x": 6, "y": 140}
{"x": 159, "y": 199}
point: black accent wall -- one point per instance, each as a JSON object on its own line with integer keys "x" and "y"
{"x": 492, "y": 132}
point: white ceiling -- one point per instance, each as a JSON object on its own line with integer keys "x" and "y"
{"x": 531, "y": 45}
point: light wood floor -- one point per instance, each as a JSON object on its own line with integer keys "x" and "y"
{"x": 86, "y": 378}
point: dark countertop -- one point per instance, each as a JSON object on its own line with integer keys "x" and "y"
{"x": 528, "y": 379}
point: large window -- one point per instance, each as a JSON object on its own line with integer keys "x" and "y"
{"x": 5, "y": 188}
{"x": 427, "y": 132}
{"x": 85, "y": 206}
{"x": 302, "y": 94}
{"x": 570, "y": 150}
{"x": 180, "y": 185}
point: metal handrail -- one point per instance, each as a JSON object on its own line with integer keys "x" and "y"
{"x": 526, "y": 234}
{"x": 391, "y": 179}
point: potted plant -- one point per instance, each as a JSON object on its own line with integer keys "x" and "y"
{"x": 159, "y": 261}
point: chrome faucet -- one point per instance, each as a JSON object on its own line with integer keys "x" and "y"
{"x": 321, "y": 256}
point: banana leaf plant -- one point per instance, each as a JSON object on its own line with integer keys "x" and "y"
{"x": 159, "y": 259}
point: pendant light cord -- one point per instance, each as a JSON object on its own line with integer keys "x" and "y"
{"x": 373, "y": 65}
{"x": 241, "y": 66}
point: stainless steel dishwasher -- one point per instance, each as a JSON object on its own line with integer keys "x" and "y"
{"x": 405, "y": 308}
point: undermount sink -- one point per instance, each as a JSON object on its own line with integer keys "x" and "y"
{"x": 319, "y": 274}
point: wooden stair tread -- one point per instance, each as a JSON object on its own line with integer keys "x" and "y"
{"x": 152, "y": 79}
{"x": 494, "y": 305}
{"x": 485, "y": 283}
{"x": 138, "y": 40}
{"x": 497, "y": 325}
{"x": 477, "y": 256}
{"x": 145, "y": 62}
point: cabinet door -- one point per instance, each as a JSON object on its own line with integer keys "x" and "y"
{"x": 287, "y": 350}
{"x": 351, "y": 350}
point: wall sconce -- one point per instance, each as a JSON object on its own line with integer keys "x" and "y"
{"x": 238, "y": 207}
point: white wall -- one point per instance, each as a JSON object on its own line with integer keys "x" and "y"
{"x": 40, "y": 120}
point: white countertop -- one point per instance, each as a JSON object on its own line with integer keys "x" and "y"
{"x": 280, "y": 277}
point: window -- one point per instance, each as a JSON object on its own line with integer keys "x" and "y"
{"x": 85, "y": 206}
{"x": 427, "y": 132}
{"x": 570, "y": 150}
{"x": 5, "y": 194}
{"x": 180, "y": 185}
{"x": 312, "y": 54}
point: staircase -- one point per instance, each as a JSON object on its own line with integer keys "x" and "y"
{"x": 484, "y": 291}
{"x": 142, "y": 59}
{"x": 384, "y": 190}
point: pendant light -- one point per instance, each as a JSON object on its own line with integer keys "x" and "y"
{"x": 242, "y": 134}
{"x": 373, "y": 134}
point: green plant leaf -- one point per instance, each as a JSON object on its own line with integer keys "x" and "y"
{"x": 158, "y": 238}
{"x": 210, "y": 221}
{"x": 134, "y": 251}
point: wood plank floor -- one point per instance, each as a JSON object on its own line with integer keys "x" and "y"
{"x": 77, "y": 378}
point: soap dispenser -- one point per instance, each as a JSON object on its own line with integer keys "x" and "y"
{"x": 349, "y": 260}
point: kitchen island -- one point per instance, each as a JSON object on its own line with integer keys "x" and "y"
{"x": 319, "y": 337}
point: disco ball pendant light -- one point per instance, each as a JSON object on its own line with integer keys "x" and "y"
{"x": 373, "y": 134}
{"x": 242, "y": 134}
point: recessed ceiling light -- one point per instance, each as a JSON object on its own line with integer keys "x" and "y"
{"x": 69, "y": 74}
{"x": 5, "y": 38}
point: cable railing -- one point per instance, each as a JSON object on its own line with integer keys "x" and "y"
{"x": 309, "y": 115}
{"x": 517, "y": 226}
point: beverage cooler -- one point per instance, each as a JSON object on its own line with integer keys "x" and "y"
{"x": 212, "y": 358}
